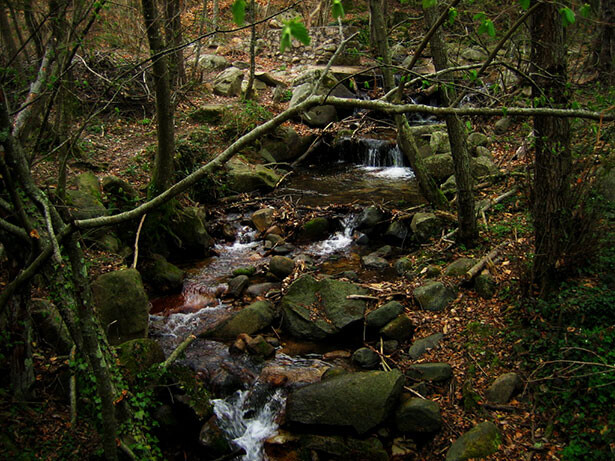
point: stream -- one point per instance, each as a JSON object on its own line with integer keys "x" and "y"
{"x": 250, "y": 408}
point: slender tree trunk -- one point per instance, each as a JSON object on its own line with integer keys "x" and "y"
{"x": 250, "y": 91}
{"x": 163, "y": 175}
{"x": 552, "y": 166}
{"x": 173, "y": 33}
{"x": 197, "y": 75}
{"x": 380, "y": 40}
{"x": 466, "y": 215}
{"x": 7, "y": 39}
{"x": 32, "y": 26}
{"x": 602, "y": 56}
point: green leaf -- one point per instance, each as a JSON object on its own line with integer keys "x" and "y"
{"x": 487, "y": 27}
{"x": 337, "y": 9}
{"x": 298, "y": 31}
{"x": 452, "y": 15}
{"x": 567, "y": 16}
{"x": 473, "y": 75}
{"x": 285, "y": 39}
{"x": 586, "y": 10}
{"x": 525, "y": 4}
{"x": 239, "y": 11}
{"x": 429, "y": 4}
{"x": 479, "y": 17}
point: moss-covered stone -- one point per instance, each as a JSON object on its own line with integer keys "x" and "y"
{"x": 365, "y": 358}
{"x": 161, "y": 275}
{"x": 425, "y": 225}
{"x": 248, "y": 271}
{"x": 253, "y": 318}
{"x": 400, "y": 328}
{"x": 281, "y": 266}
{"x": 434, "y": 372}
{"x": 137, "y": 355}
{"x": 244, "y": 177}
{"x": 208, "y": 113}
{"x": 419, "y": 416}
{"x": 188, "y": 225}
{"x": 384, "y": 314}
{"x": 316, "y": 229}
{"x": 479, "y": 442}
{"x": 459, "y": 267}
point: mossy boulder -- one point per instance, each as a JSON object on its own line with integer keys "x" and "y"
{"x": 208, "y": 113}
{"x": 433, "y": 372}
{"x": 191, "y": 238}
{"x": 255, "y": 317}
{"x": 84, "y": 205}
{"x": 439, "y": 166}
{"x": 365, "y": 358}
{"x": 314, "y": 309}
{"x": 418, "y": 416}
{"x": 90, "y": 184}
{"x": 119, "y": 194}
{"x": 370, "y": 218}
{"x": 420, "y": 346}
{"x": 425, "y": 225}
{"x": 359, "y": 400}
{"x": 459, "y": 267}
{"x": 434, "y": 296}
{"x": 49, "y": 326}
{"x": 281, "y": 266}
{"x": 316, "y": 229}
{"x": 122, "y": 305}
{"x": 137, "y": 355}
{"x": 404, "y": 265}
{"x": 400, "y": 328}
{"x": 244, "y": 177}
{"x": 161, "y": 275}
{"x": 382, "y": 315}
{"x": 503, "y": 388}
{"x": 342, "y": 448}
{"x": 482, "y": 166}
{"x": 479, "y": 442}
{"x": 485, "y": 285}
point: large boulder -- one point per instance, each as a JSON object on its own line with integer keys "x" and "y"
{"x": 284, "y": 144}
{"x": 439, "y": 166}
{"x": 188, "y": 225}
{"x": 315, "y": 309}
{"x": 316, "y": 229}
{"x": 439, "y": 142}
{"x": 161, "y": 275}
{"x": 228, "y": 82}
{"x": 503, "y": 388}
{"x": 120, "y": 194}
{"x": 479, "y": 442}
{"x": 281, "y": 266}
{"x": 359, "y": 400}
{"x": 49, "y": 326}
{"x": 90, "y": 184}
{"x": 263, "y": 219}
{"x": 84, "y": 205}
{"x": 255, "y": 317}
{"x": 434, "y": 296}
{"x": 382, "y": 315}
{"x": 482, "y": 166}
{"x": 369, "y": 218}
{"x": 122, "y": 305}
{"x": 211, "y": 62}
{"x": 137, "y": 355}
{"x": 418, "y": 416}
{"x": 400, "y": 328}
{"x": 425, "y": 225}
{"x": 245, "y": 177}
{"x": 459, "y": 267}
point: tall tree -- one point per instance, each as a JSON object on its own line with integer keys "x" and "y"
{"x": 173, "y": 35}
{"x": 602, "y": 56}
{"x": 466, "y": 215}
{"x": 553, "y": 162}
{"x": 163, "y": 174}
{"x": 380, "y": 40}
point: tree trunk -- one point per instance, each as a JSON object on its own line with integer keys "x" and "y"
{"x": 163, "y": 175}
{"x": 380, "y": 39}
{"x": 602, "y": 55}
{"x": 197, "y": 75}
{"x": 250, "y": 91}
{"x": 173, "y": 34}
{"x": 7, "y": 39}
{"x": 466, "y": 215}
{"x": 552, "y": 166}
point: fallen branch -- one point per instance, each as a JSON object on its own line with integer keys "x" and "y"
{"x": 476, "y": 268}
{"x": 373, "y": 298}
{"x": 134, "y": 261}
{"x": 178, "y": 351}
{"x": 499, "y": 199}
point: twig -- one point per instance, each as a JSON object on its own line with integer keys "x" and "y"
{"x": 418, "y": 394}
{"x": 178, "y": 351}
{"x": 374, "y": 298}
{"x": 134, "y": 261}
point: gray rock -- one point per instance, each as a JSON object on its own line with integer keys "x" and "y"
{"x": 237, "y": 284}
{"x": 211, "y": 62}
{"x": 418, "y": 416}
{"x": 479, "y": 442}
{"x": 268, "y": 79}
{"x": 244, "y": 177}
{"x": 390, "y": 345}
{"x": 477, "y": 139}
{"x": 370, "y": 218}
{"x": 373, "y": 261}
{"x": 281, "y": 266}
{"x": 342, "y": 448}
{"x": 400, "y": 328}
{"x": 49, "y": 326}
{"x": 316, "y": 229}
{"x": 228, "y": 82}
{"x": 89, "y": 183}
{"x": 439, "y": 167}
{"x": 434, "y": 296}
{"x": 360, "y": 400}
{"x": 320, "y": 116}
{"x": 433, "y": 372}
{"x": 397, "y": 232}
{"x": 365, "y": 358}
{"x": 260, "y": 289}
{"x": 384, "y": 251}
{"x": 255, "y": 317}
{"x": 425, "y": 225}
{"x": 209, "y": 113}
{"x": 384, "y": 314}
{"x": 122, "y": 305}
{"x": 403, "y": 265}
{"x": 263, "y": 219}
{"x": 502, "y": 125}
{"x": 481, "y": 151}
{"x": 315, "y": 309}
{"x": 449, "y": 187}
{"x": 188, "y": 225}
{"x": 474, "y": 54}
{"x": 459, "y": 267}
{"x": 360, "y": 238}
{"x": 84, "y": 205}
{"x": 482, "y": 166}
{"x": 503, "y": 388}
{"x": 432, "y": 271}
{"x": 439, "y": 143}
{"x": 420, "y": 346}
{"x": 161, "y": 275}
{"x": 485, "y": 285}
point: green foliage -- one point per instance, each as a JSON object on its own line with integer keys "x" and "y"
{"x": 568, "y": 16}
{"x": 452, "y": 15}
{"x": 337, "y": 9}
{"x": 429, "y": 4}
{"x": 525, "y": 4}
{"x": 293, "y": 29}
{"x": 238, "y": 8}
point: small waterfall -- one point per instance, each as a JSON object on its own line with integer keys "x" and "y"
{"x": 249, "y": 427}
{"x": 380, "y": 153}
{"x": 338, "y": 241}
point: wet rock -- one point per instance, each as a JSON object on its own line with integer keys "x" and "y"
{"x": 370, "y": 218}
{"x": 303, "y": 259}
{"x": 247, "y": 270}
{"x": 228, "y": 82}
{"x": 503, "y": 388}
{"x": 259, "y": 347}
{"x": 439, "y": 166}
{"x": 373, "y": 261}
{"x": 420, "y": 346}
{"x": 360, "y": 238}
{"x": 262, "y": 219}
{"x": 434, "y": 296}
{"x": 161, "y": 275}
{"x": 502, "y": 125}
{"x": 403, "y": 265}
{"x": 237, "y": 284}
{"x": 459, "y": 267}
{"x": 209, "y": 113}
{"x": 400, "y": 328}
{"x": 316, "y": 229}
{"x": 485, "y": 285}
{"x": 49, "y": 326}
{"x": 279, "y": 376}
{"x": 244, "y": 177}
{"x": 425, "y": 225}
{"x": 439, "y": 143}
{"x": 315, "y": 309}
{"x": 255, "y": 317}
{"x": 433, "y": 372}
{"x": 260, "y": 289}
{"x": 285, "y": 144}
{"x": 342, "y": 448}
{"x": 274, "y": 239}
{"x": 281, "y": 266}
{"x": 137, "y": 355}
{"x": 397, "y": 233}
{"x": 188, "y": 225}
{"x": 122, "y": 305}
{"x": 384, "y": 251}
{"x": 84, "y": 205}
{"x": 365, "y": 358}
{"x": 350, "y": 275}
{"x": 477, "y": 139}
{"x": 482, "y": 166}
{"x": 418, "y": 416}
{"x": 390, "y": 345}
{"x": 479, "y": 442}
{"x": 340, "y": 354}
{"x": 384, "y": 314}
{"x": 333, "y": 372}
{"x": 214, "y": 439}
{"x": 359, "y": 400}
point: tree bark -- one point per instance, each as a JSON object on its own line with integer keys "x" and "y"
{"x": 552, "y": 166}
{"x": 468, "y": 230}
{"x": 173, "y": 33}
{"x": 163, "y": 174}
{"x": 602, "y": 55}
{"x": 380, "y": 41}
{"x": 250, "y": 91}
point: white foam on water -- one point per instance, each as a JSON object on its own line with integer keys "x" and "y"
{"x": 336, "y": 242}
{"x": 392, "y": 172}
